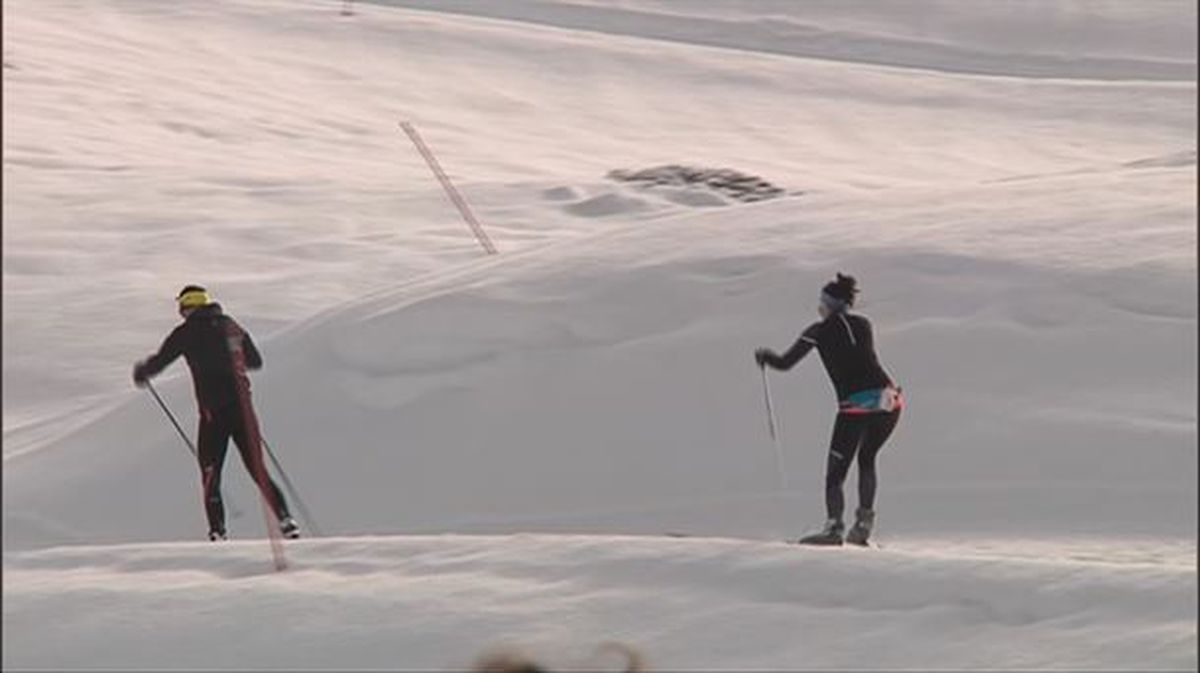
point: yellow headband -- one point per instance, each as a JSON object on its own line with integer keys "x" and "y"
{"x": 194, "y": 299}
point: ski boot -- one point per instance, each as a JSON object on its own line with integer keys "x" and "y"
{"x": 831, "y": 535}
{"x": 860, "y": 532}
{"x": 289, "y": 528}
{"x": 217, "y": 536}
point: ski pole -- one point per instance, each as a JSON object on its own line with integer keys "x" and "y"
{"x": 287, "y": 483}
{"x": 771, "y": 429}
{"x": 236, "y": 511}
{"x": 163, "y": 405}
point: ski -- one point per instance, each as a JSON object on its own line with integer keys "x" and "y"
{"x": 788, "y": 541}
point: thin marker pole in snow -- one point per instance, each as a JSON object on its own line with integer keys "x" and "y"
{"x": 455, "y": 198}
{"x": 783, "y": 482}
{"x": 237, "y": 511}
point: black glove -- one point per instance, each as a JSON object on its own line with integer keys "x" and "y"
{"x": 139, "y": 375}
{"x": 762, "y": 355}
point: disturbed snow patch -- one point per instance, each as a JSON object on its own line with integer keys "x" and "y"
{"x": 724, "y": 181}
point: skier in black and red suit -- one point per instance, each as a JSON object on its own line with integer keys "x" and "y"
{"x": 218, "y": 353}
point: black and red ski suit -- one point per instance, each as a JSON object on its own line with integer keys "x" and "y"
{"x": 214, "y": 346}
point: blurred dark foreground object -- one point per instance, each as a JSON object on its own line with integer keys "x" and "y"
{"x": 512, "y": 661}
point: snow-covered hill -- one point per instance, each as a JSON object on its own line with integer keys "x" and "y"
{"x": 494, "y": 446}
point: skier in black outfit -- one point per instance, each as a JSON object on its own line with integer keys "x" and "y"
{"x": 869, "y": 404}
{"x": 218, "y": 353}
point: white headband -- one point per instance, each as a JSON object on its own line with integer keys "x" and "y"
{"x": 833, "y": 303}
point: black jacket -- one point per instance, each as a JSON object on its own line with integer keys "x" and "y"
{"x": 847, "y": 349}
{"x": 212, "y": 343}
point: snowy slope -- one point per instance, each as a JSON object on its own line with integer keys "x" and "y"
{"x": 1020, "y": 212}
{"x": 544, "y": 385}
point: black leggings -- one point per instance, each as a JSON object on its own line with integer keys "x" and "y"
{"x": 216, "y": 427}
{"x": 862, "y": 435}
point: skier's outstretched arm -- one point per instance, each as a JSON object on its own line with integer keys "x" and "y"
{"x": 768, "y": 357}
{"x": 808, "y": 339}
{"x": 170, "y": 350}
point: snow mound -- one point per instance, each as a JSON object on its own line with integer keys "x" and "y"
{"x": 726, "y": 182}
{"x": 607, "y": 205}
{"x": 436, "y": 602}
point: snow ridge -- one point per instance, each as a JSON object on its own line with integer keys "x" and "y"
{"x": 554, "y": 595}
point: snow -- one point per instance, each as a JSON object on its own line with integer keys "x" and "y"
{"x": 426, "y": 602}
{"x": 495, "y": 446}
